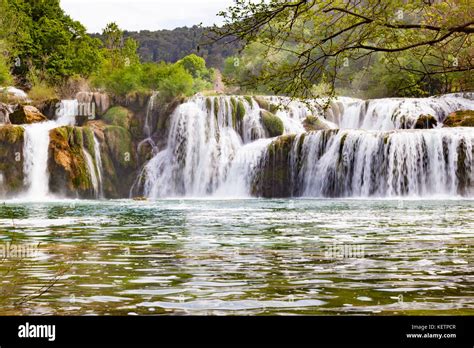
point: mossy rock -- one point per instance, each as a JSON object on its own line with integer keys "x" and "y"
{"x": 120, "y": 144}
{"x": 240, "y": 111}
{"x": 274, "y": 176}
{"x": 11, "y": 134}
{"x": 272, "y": 123}
{"x": 208, "y": 104}
{"x": 216, "y": 107}
{"x": 118, "y": 116}
{"x": 314, "y": 123}
{"x": 460, "y": 119}
{"x": 426, "y": 122}
{"x": 11, "y": 160}
{"x": 69, "y": 173}
{"x": 262, "y": 103}
{"x": 266, "y": 105}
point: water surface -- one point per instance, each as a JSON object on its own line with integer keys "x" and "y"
{"x": 237, "y": 257}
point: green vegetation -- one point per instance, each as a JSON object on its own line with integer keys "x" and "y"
{"x": 43, "y": 43}
{"x": 122, "y": 73}
{"x": 45, "y": 51}
{"x": 460, "y": 119}
{"x": 381, "y": 49}
{"x": 272, "y": 123}
{"x": 172, "y": 45}
{"x": 117, "y": 116}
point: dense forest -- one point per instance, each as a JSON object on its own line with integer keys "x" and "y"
{"x": 172, "y": 45}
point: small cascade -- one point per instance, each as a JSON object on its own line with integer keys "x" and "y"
{"x": 147, "y": 128}
{"x": 92, "y": 171}
{"x": 36, "y": 147}
{"x": 99, "y": 167}
{"x": 243, "y": 169}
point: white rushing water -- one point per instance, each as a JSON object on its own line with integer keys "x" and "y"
{"x": 385, "y": 164}
{"x": 35, "y": 161}
{"x": 99, "y": 168}
{"x": 210, "y": 153}
{"x": 36, "y": 148}
{"x": 393, "y": 113}
{"x": 92, "y": 171}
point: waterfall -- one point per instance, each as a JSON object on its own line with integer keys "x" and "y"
{"x": 99, "y": 167}
{"x": 206, "y": 145}
{"x": 36, "y": 148}
{"x": 359, "y": 163}
{"x": 147, "y": 128}
{"x": 211, "y": 152}
{"x": 35, "y": 162}
{"x": 393, "y": 113}
{"x": 92, "y": 171}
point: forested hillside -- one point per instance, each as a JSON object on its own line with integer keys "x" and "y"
{"x": 172, "y": 45}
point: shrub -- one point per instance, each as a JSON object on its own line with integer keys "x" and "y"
{"x": 117, "y": 116}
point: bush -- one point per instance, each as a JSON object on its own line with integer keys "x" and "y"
{"x": 41, "y": 92}
{"x": 117, "y": 116}
{"x": 6, "y": 78}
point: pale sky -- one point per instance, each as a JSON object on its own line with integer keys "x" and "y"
{"x": 136, "y": 15}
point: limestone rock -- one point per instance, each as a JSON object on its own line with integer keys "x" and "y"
{"x": 27, "y": 114}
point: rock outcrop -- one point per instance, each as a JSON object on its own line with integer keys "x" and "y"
{"x": 26, "y": 114}
{"x": 11, "y": 159}
{"x": 460, "y": 119}
{"x": 426, "y": 122}
{"x": 272, "y": 123}
{"x": 69, "y": 174}
{"x": 274, "y": 177}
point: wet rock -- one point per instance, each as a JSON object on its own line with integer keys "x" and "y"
{"x": 426, "y": 122}
{"x": 11, "y": 159}
{"x": 272, "y": 123}
{"x": 69, "y": 174}
{"x": 274, "y": 178}
{"x": 314, "y": 123}
{"x": 26, "y": 114}
{"x": 97, "y": 101}
{"x": 460, "y": 119}
{"x": 5, "y": 111}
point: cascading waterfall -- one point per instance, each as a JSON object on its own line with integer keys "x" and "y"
{"x": 147, "y": 128}
{"x": 210, "y": 152}
{"x": 206, "y": 144}
{"x": 36, "y": 146}
{"x": 36, "y": 159}
{"x": 393, "y": 113}
{"x": 384, "y": 164}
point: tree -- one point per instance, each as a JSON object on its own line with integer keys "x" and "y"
{"x": 322, "y": 38}
{"x": 45, "y": 43}
{"x": 195, "y": 65}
